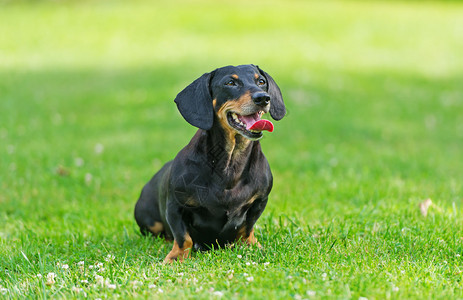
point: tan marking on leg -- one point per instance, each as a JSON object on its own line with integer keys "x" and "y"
{"x": 240, "y": 236}
{"x": 178, "y": 253}
{"x": 157, "y": 228}
{"x": 250, "y": 239}
{"x": 191, "y": 201}
{"x": 214, "y": 102}
{"x": 252, "y": 199}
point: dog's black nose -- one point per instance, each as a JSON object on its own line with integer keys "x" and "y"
{"x": 261, "y": 98}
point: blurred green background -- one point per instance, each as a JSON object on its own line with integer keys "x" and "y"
{"x": 373, "y": 91}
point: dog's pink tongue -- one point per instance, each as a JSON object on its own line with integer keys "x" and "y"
{"x": 262, "y": 125}
{"x": 255, "y": 123}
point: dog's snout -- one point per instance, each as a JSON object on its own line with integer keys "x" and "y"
{"x": 261, "y": 98}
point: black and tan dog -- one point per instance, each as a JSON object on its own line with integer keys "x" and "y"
{"x": 216, "y": 188}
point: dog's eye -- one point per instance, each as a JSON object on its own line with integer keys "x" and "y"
{"x": 261, "y": 82}
{"x": 231, "y": 83}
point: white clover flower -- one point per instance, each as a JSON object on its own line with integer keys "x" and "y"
{"x": 250, "y": 279}
{"x": 88, "y": 178}
{"x": 76, "y": 289}
{"x": 109, "y": 257}
{"x": 395, "y": 289}
{"x": 39, "y": 275}
{"x": 111, "y": 286}
{"x": 81, "y": 263}
{"x": 266, "y": 263}
{"x": 311, "y": 293}
{"x": 136, "y": 282}
{"x": 10, "y": 149}
{"x": 151, "y": 286}
{"x": 79, "y": 161}
{"x": 218, "y": 293}
{"x": 99, "y": 148}
{"x": 65, "y": 266}
{"x": 99, "y": 279}
{"x": 239, "y": 256}
{"x": 50, "y": 279}
{"x": 248, "y": 264}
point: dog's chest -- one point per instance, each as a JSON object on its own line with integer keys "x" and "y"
{"x": 221, "y": 219}
{"x": 225, "y": 205}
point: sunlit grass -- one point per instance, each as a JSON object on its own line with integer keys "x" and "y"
{"x": 373, "y": 91}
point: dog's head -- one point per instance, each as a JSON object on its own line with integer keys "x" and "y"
{"x": 237, "y": 96}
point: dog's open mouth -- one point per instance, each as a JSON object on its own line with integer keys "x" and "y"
{"x": 251, "y": 126}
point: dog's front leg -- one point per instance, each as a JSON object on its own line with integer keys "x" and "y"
{"x": 246, "y": 232}
{"x": 182, "y": 240}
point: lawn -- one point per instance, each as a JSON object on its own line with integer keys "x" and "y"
{"x": 374, "y": 127}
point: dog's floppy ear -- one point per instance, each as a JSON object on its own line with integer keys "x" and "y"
{"x": 277, "y": 106}
{"x": 195, "y": 103}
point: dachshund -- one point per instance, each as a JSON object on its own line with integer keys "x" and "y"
{"x": 216, "y": 188}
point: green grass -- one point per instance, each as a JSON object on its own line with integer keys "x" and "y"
{"x": 375, "y": 126}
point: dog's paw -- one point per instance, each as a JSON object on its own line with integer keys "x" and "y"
{"x": 169, "y": 260}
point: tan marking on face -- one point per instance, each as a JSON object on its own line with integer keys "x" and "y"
{"x": 222, "y": 116}
{"x": 235, "y": 76}
{"x": 256, "y": 75}
{"x": 234, "y": 106}
{"x": 157, "y": 228}
{"x": 180, "y": 253}
{"x": 231, "y": 133}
